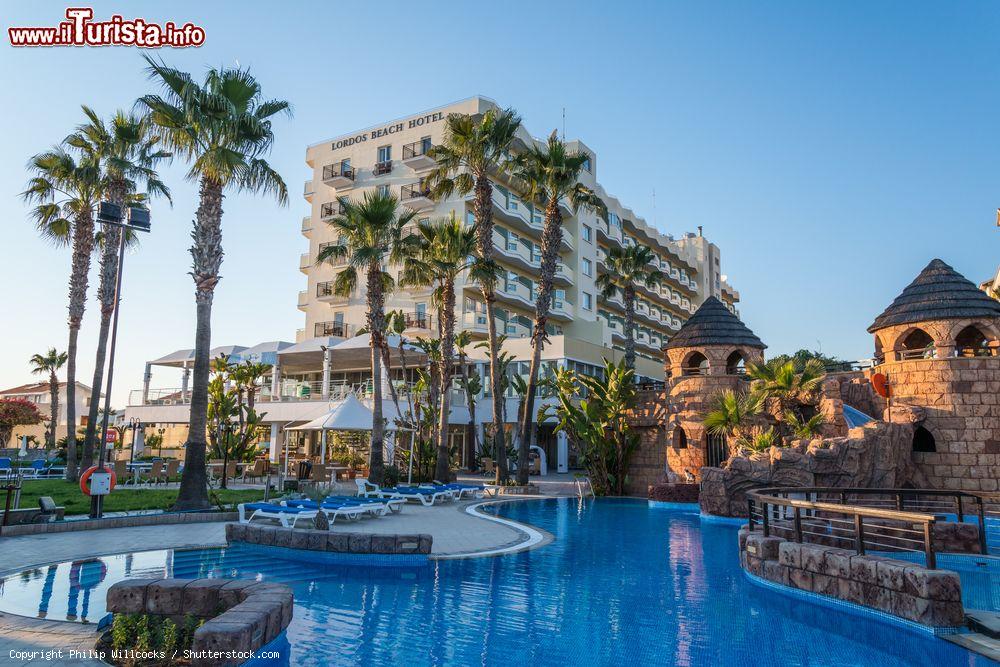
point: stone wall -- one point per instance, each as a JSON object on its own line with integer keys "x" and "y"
{"x": 960, "y": 403}
{"x": 876, "y": 455}
{"x": 330, "y": 541}
{"x": 252, "y": 613}
{"x": 900, "y": 588}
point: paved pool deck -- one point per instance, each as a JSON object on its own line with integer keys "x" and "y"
{"x": 457, "y": 532}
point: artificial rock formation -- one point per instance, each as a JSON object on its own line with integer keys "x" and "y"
{"x": 875, "y": 455}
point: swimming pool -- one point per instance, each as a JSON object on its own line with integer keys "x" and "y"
{"x": 622, "y": 583}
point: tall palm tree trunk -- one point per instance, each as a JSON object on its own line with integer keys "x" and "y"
{"x": 83, "y": 246}
{"x": 629, "y": 298}
{"x": 53, "y": 408}
{"x": 106, "y": 295}
{"x": 551, "y": 238}
{"x": 441, "y": 471}
{"x": 484, "y": 240}
{"x": 206, "y": 254}
{"x": 470, "y": 403}
{"x": 376, "y": 325}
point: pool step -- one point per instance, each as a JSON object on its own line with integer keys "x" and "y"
{"x": 977, "y": 643}
{"x": 984, "y": 622}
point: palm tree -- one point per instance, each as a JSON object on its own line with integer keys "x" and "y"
{"x": 548, "y": 175}
{"x": 790, "y": 385}
{"x": 474, "y": 149}
{"x": 223, "y": 128}
{"x": 471, "y": 385}
{"x": 628, "y": 267}
{"x": 443, "y": 253}
{"x": 65, "y": 191}
{"x": 50, "y": 363}
{"x": 732, "y": 412}
{"x": 127, "y": 150}
{"x": 371, "y": 237}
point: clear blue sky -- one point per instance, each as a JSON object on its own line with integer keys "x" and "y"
{"x": 830, "y": 150}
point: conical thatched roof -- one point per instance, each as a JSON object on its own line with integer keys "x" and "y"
{"x": 713, "y": 324}
{"x": 938, "y": 293}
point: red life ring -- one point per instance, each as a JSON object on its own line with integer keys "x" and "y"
{"x": 85, "y": 477}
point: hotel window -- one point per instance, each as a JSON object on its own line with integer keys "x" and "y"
{"x": 614, "y": 220}
{"x": 536, "y": 252}
{"x": 588, "y": 268}
{"x": 588, "y": 301}
{"x": 588, "y": 234}
{"x": 586, "y": 164}
{"x": 382, "y": 190}
{"x": 385, "y": 153}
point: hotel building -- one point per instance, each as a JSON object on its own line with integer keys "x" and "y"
{"x": 584, "y": 327}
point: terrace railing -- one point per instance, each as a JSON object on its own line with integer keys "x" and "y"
{"x": 890, "y": 520}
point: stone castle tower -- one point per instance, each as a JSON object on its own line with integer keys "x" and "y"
{"x": 937, "y": 344}
{"x": 706, "y": 356}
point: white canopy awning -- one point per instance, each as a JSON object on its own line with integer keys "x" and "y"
{"x": 346, "y": 415}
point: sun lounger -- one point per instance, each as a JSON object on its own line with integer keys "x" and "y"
{"x": 333, "y": 510}
{"x": 393, "y": 504}
{"x": 288, "y": 516}
{"x": 472, "y": 490}
{"x": 426, "y": 497}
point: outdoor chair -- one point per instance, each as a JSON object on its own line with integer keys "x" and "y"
{"x": 332, "y": 508}
{"x": 6, "y": 469}
{"x": 287, "y": 516}
{"x": 170, "y": 472}
{"x": 36, "y": 470}
{"x": 256, "y": 471}
{"x": 473, "y": 490}
{"x": 154, "y": 473}
{"x": 121, "y": 472}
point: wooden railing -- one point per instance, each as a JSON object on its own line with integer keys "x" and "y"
{"x": 888, "y": 519}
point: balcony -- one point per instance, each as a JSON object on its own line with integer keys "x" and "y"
{"x": 303, "y": 299}
{"x": 564, "y": 274}
{"x": 331, "y": 210}
{"x": 415, "y": 197}
{"x": 382, "y": 168}
{"x": 513, "y": 250}
{"x": 476, "y": 323}
{"x": 308, "y": 190}
{"x": 305, "y": 262}
{"x": 515, "y": 329}
{"x": 415, "y": 155}
{"x": 561, "y": 310}
{"x": 516, "y": 292}
{"x": 324, "y": 292}
{"x": 339, "y": 329}
{"x": 418, "y": 320}
{"x": 332, "y": 261}
{"x": 307, "y": 225}
{"x": 339, "y": 176}
{"x": 602, "y": 258}
{"x": 610, "y": 233}
{"x": 513, "y": 211}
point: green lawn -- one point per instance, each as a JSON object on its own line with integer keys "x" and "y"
{"x": 67, "y": 494}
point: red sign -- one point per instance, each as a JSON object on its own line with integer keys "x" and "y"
{"x": 112, "y": 436}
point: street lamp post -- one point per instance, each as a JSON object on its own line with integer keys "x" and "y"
{"x": 159, "y": 443}
{"x": 138, "y": 220}
{"x": 136, "y": 424}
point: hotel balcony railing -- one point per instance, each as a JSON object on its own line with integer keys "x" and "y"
{"x": 324, "y": 290}
{"x": 307, "y": 190}
{"x": 305, "y": 262}
{"x": 338, "y": 173}
{"x": 382, "y": 168}
{"x": 340, "y": 329}
{"x": 307, "y": 224}
{"x": 331, "y": 209}
{"x": 415, "y": 196}
{"x": 303, "y": 299}
{"x": 332, "y": 261}
{"x": 418, "y": 320}
{"x": 415, "y": 154}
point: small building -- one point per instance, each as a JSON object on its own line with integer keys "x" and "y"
{"x": 937, "y": 346}
{"x": 38, "y": 393}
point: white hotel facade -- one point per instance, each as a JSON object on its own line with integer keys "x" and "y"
{"x": 312, "y": 372}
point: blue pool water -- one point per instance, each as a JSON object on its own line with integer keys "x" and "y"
{"x": 621, "y": 584}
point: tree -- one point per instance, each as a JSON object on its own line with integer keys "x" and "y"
{"x": 800, "y": 357}
{"x": 128, "y": 151}
{"x": 471, "y": 384}
{"x": 732, "y": 412}
{"x": 788, "y": 385}
{"x": 16, "y": 412}
{"x": 628, "y": 267}
{"x": 371, "y": 233}
{"x": 50, "y": 363}
{"x": 222, "y": 127}
{"x": 65, "y": 192}
{"x": 599, "y": 423}
{"x": 474, "y": 150}
{"x": 549, "y": 176}
{"x": 442, "y": 254}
